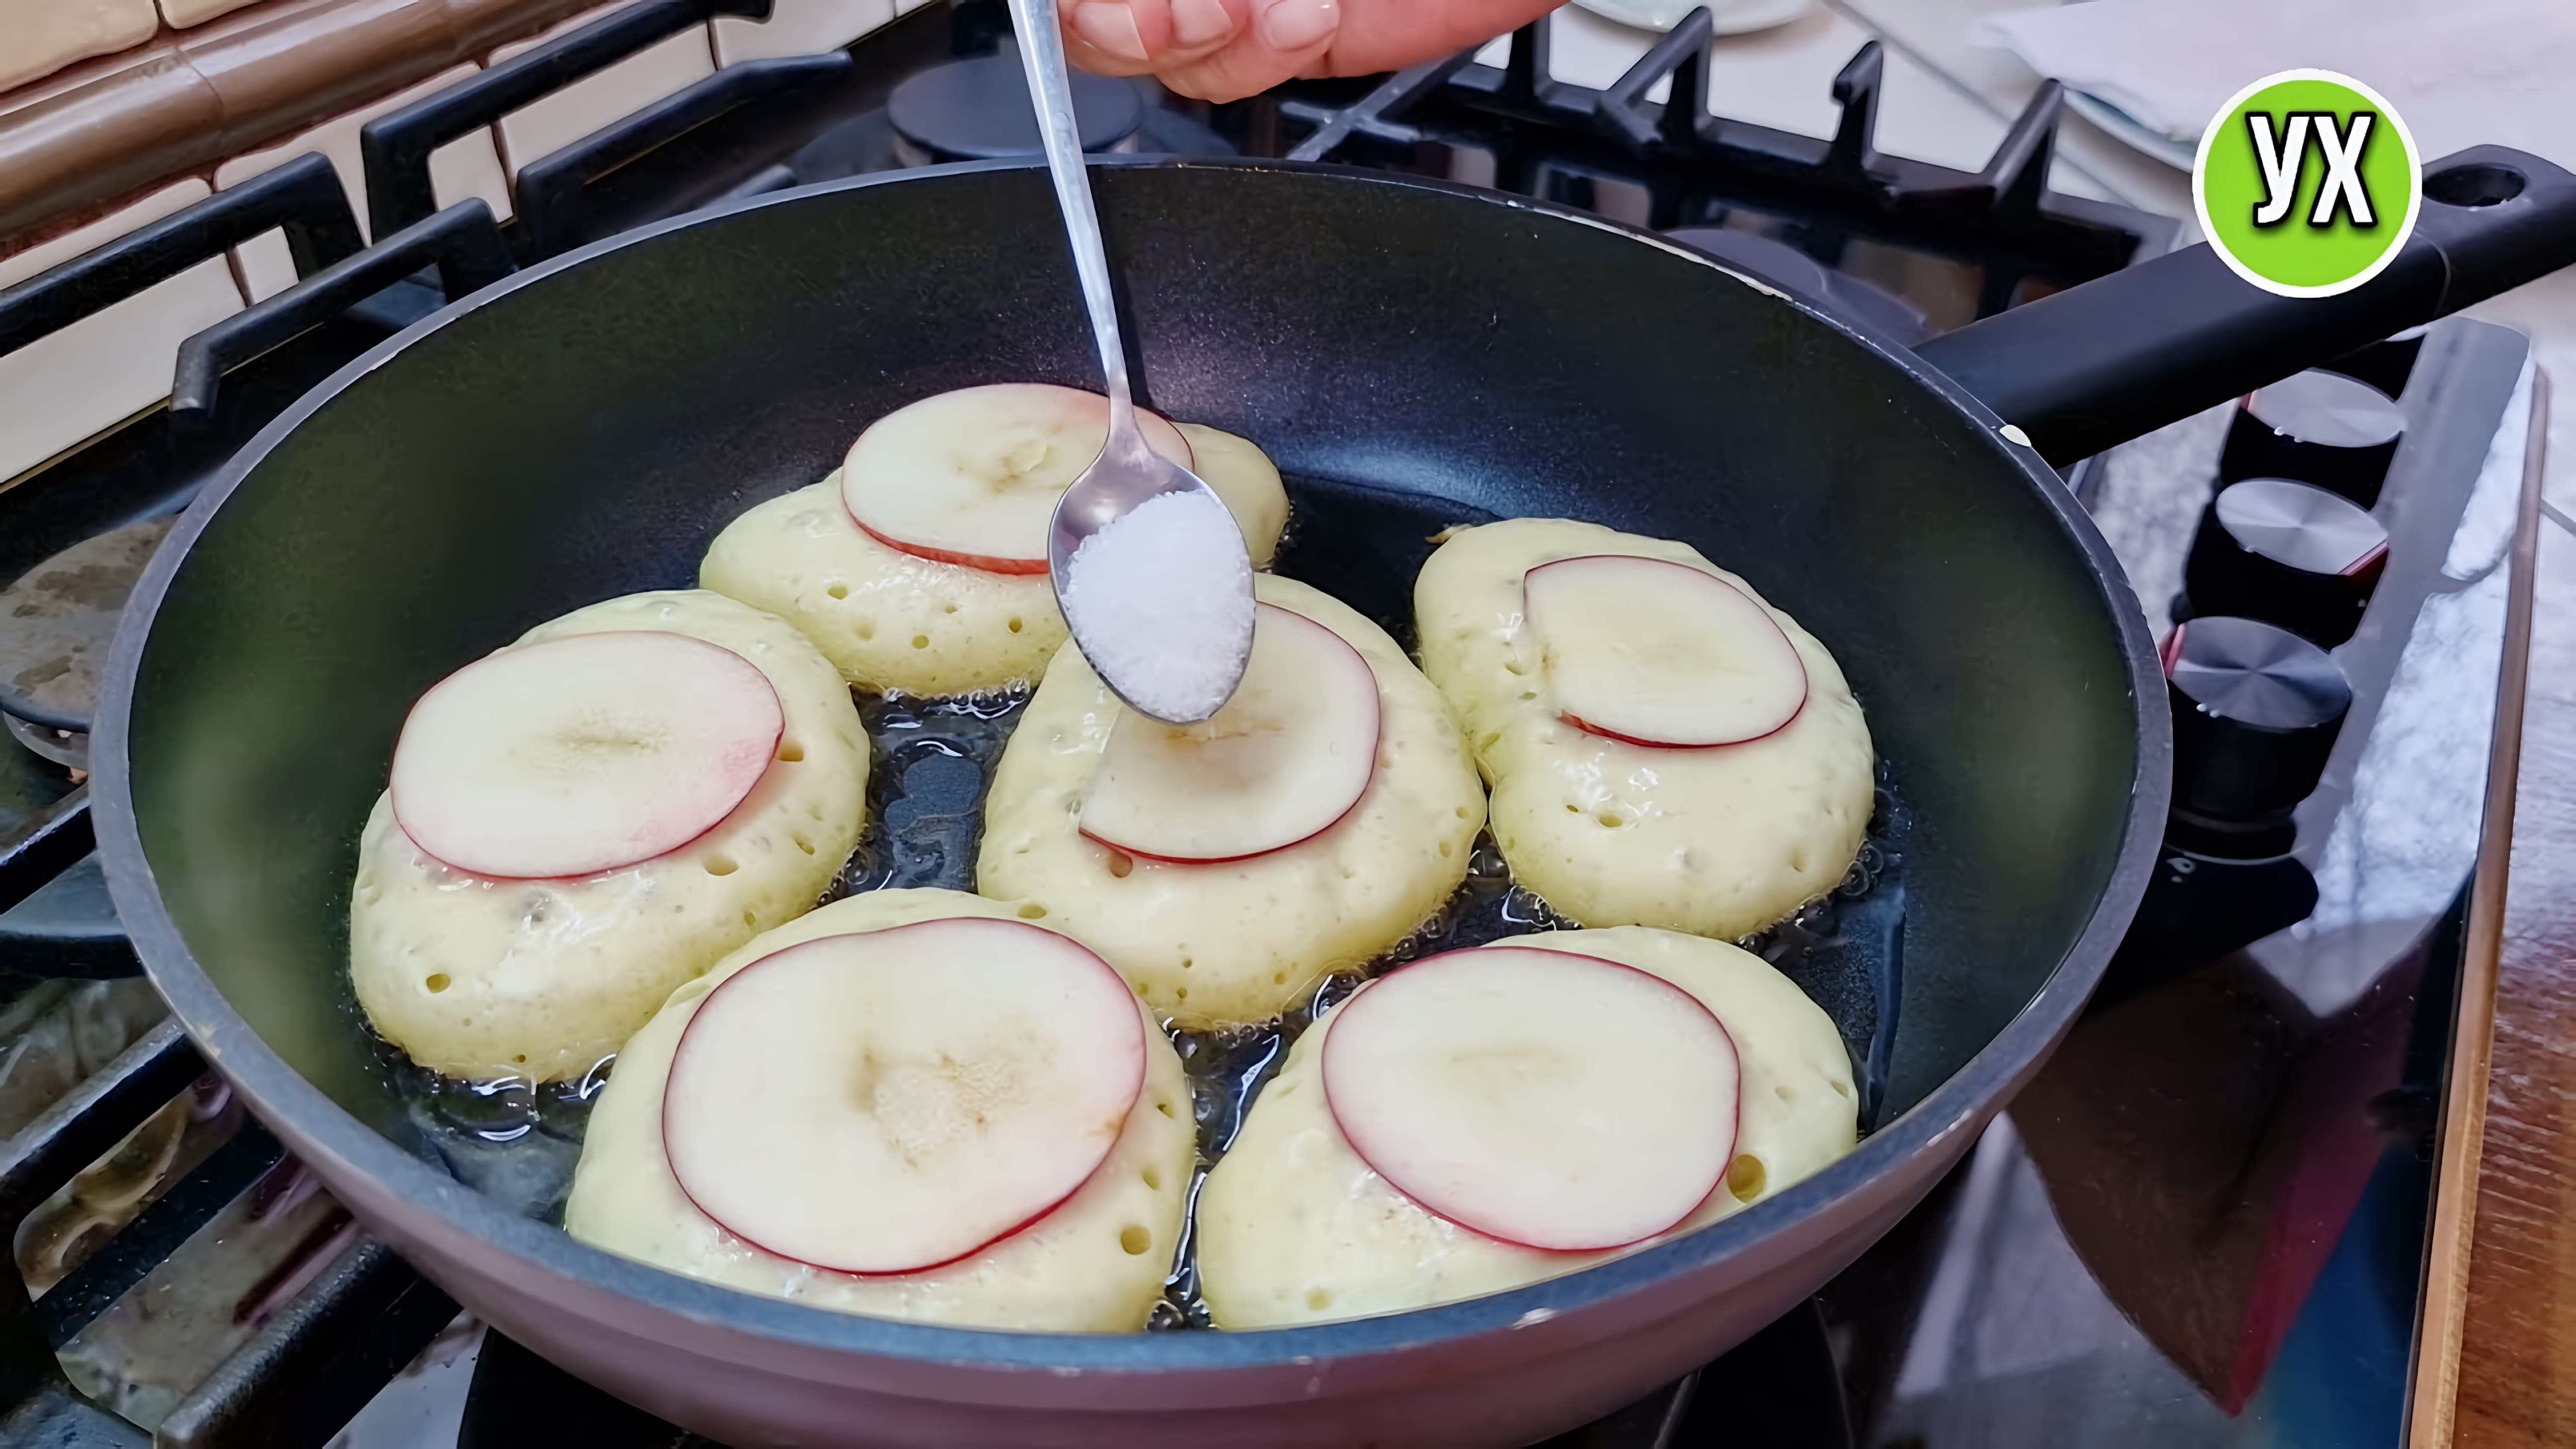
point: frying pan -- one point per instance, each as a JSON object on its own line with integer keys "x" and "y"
{"x": 1410, "y": 352}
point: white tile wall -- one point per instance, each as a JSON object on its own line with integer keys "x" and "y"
{"x": 104, "y": 368}
{"x": 595, "y": 100}
{"x": 183, "y": 13}
{"x": 468, "y": 166}
{"x": 39, "y": 37}
{"x": 798, "y": 27}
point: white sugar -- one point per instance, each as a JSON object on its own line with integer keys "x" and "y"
{"x": 1161, "y": 601}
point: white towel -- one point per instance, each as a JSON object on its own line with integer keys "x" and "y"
{"x": 2459, "y": 72}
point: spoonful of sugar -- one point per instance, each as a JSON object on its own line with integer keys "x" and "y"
{"x": 1148, "y": 565}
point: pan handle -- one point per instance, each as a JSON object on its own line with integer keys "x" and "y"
{"x": 2124, "y": 355}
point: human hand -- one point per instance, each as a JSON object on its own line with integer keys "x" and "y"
{"x": 1223, "y": 50}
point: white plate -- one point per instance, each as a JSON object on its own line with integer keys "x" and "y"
{"x": 2125, "y": 129}
{"x": 1728, "y": 17}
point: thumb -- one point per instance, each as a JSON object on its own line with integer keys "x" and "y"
{"x": 1295, "y": 27}
{"x": 1139, "y": 37}
{"x": 1284, "y": 39}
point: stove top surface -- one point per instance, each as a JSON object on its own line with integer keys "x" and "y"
{"x": 2204, "y": 1221}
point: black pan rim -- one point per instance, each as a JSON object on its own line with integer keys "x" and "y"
{"x": 320, "y": 1126}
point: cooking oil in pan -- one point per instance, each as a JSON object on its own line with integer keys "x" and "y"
{"x": 1842, "y": 951}
{"x": 932, "y": 762}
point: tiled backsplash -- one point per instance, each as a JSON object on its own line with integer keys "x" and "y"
{"x": 549, "y": 125}
{"x": 46, "y": 35}
{"x": 99, "y": 371}
{"x": 798, "y": 27}
{"x": 465, "y": 167}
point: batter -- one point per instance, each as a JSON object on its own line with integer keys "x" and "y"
{"x": 1720, "y": 841}
{"x": 479, "y": 977}
{"x": 894, "y": 621}
{"x": 1094, "y": 1264}
{"x": 1294, "y": 1228}
{"x": 1237, "y": 941}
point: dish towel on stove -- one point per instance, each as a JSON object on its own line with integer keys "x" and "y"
{"x": 2461, "y": 72}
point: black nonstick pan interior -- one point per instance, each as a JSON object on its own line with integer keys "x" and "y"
{"x": 1409, "y": 355}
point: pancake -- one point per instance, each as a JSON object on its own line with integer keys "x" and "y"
{"x": 893, "y": 621}
{"x": 1718, "y": 842}
{"x": 1293, "y": 1227}
{"x": 1237, "y": 941}
{"x": 1094, "y": 1264}
{"x": 479, "y": 977}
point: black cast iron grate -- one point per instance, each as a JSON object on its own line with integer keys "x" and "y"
{"x": 1566, "y": 143}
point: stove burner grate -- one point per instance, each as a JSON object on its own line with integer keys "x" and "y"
{"x": 1537, "y": 136}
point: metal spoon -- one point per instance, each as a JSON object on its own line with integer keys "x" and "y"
{"x": 1127, "y": 472}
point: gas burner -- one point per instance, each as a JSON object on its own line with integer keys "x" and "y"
{"x": 55, "y": 624}
{"x": 50, "y": 743}
{"x": 978, "y": 110}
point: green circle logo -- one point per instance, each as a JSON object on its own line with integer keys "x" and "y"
{"x": 2307, "y": 183}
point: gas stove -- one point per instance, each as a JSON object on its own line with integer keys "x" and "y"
{"x": 2204, "y": 1222}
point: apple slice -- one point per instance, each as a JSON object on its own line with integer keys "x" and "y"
{"x": 1660, "y": 653}
{"x": 1551, "y": 1100}
{"x": 582, "y": 754}
{"x": 894, "y": 1100}
{"x": 972, "y": 477}
{"x": 1285, "y": 758}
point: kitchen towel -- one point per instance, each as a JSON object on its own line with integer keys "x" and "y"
{"x": 2460, "y": 72}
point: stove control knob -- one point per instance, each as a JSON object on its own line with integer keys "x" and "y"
{"x": 2318, "y": 427}
{"x": 2256, "y": 710}
{"x": 2289, "y": 554}
{"x": 2384, "y": 365}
